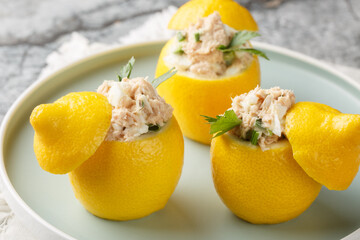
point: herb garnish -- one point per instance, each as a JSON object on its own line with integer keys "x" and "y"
{"x": 125, "y": 70}
{"x": 197, "y": 37}
{"x": 242, "y": 37}
{"x": 258, "y": 124}
{"x": 157, "y": 81}
{"x": 229, "y": 58}
{"x": 223, "y": 123}
{"x": 254, "y": 137}
{"x": 153, "y": 127}
{"x": 239, "y": 39}
{"x": 180, "y": 36}
{"x": 179, "y": 51}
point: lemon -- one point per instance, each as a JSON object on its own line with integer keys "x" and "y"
{"x": 232, "y": 14}
{"x": 192, "y": 97}
{"x": 68, "y": 131}
{"x": 325, "y": 142}
{"x": 260, "y": 187}
{"x": 129, "y": 180}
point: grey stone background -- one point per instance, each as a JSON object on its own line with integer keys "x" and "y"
{"x": 328, "y": 30}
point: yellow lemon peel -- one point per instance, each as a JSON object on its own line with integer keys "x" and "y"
{"x": 129, "y": 180}
{"x": 260, "y": 187}
{"x": 325, "y": 142}
{"x": 191, "y": 97}
{"x": 232, "y": 14}
{"x": 68, "y": 131}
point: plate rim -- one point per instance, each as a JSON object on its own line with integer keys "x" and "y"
{"x": 14, "y": 200}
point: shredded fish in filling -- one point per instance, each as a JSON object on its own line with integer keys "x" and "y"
{"x": 135, "y": 106}
{"x": 196, "y": 51}
{"x": 262, "y": 110}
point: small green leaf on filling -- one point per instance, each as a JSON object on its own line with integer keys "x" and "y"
{"x": 125, "y": 70}
{"x": 179, "y": 51}
{"x": 254, "y": 52}
{"x": 241, "y": 37}
{"x": 221, "y": 47}
{"x": 197, "y": 37}
{"x": 157, "y": 81}
{"x": 258, "y": 123}
{"x": 229, "y": 58}
{"x": 238, "y": 41}
{"x": 153, "y": 127}
{"x": 180, "y": 36}
{"x": 254, "y": 137}
{"x": 223, "y": 123}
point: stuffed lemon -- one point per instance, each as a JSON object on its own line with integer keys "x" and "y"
{"x": 122, "y": 146}
{"x": 214, "y": 60}
{"x": 254, "y": 171}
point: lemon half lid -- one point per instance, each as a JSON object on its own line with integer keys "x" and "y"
{"x": 325, "y": 143}
{"x": 232, "y": 14}
{"x": 70, "y": 130}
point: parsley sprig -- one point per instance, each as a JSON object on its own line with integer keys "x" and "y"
{"x": 125, "y": 70}
{"x": 157, "y": 81}
{"x": 239, "y": 39}
{"x": 223, "y": 123}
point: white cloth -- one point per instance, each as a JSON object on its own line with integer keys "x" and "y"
{"x": 77, "y": 47}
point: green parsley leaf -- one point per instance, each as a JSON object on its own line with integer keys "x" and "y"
{"x": 242, "y": 37}
{"x": 258, "y": 123}
{"x": 223, "y": 124}
{"x": 254, "y": 137}
{"x": 180, "y": 36}
{"x": 254, "y": 52}
{"x": 179, "y": 51}
{"x": 236, "y": 44}
{"x": 125, "y": 70}
{"x": 221, "y": 47}
{"x": 153, "y": 127}
{"x": 157, "y": 81}
{"x": 210, "y": 119}
{"x": 229, "y": 58}
{"x": 197, "y": 37}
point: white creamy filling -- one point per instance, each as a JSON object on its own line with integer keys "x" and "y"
{"x": 136, "y": 105}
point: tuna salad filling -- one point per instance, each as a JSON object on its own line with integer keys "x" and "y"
{"x": 257, "y": 116}
{"x": 202, "y": 50}
{"x": 136, "y": 108}
{"x": 262, "y": 112}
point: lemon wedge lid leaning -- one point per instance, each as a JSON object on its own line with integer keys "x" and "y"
{"x": 325, "y": 143}
{"x": 70, "y": 130}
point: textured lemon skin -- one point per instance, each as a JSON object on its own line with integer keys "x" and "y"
{"x": 232, "y": 14}
{"x": 325, "y": 142}
{"x": 191, "y": 97}
{"x": 68, "y": 131}
{"x": 260, "y": 187}
{"x": 130, "y": 180}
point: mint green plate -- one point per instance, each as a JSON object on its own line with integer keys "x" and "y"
{"x": 48, "y": 207}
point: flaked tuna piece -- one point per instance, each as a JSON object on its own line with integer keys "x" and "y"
{"x": 263, "y": 111}
{"x": 136, "y": 106}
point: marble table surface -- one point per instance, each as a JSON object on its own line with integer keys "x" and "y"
{"x": 31, "y": 29}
